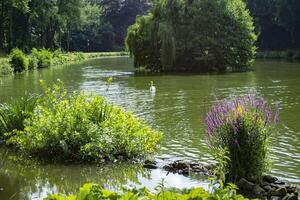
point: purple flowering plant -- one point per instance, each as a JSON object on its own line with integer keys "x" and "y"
{"x": 241, "y": 128}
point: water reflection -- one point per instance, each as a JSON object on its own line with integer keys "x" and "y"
{"x": 23, "y": 178}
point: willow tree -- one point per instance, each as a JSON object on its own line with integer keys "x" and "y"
{"x": 193, "y": 35}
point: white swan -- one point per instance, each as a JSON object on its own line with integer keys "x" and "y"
{"x": 152, "y": 87}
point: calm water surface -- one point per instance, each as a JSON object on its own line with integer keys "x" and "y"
{"x": 177, "y": 109}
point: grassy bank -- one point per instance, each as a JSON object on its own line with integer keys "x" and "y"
{"x": 17, "y": 61}
{"x": 289, "y": 55}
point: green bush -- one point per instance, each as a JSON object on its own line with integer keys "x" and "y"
{"x": 33, "y": 62}
{"x": 239, "y": 130}
{"x": 5, "y": 67}
{"x": 18, "y": 60}
{"x": 43, "y": 56}
{"x": 83, "y": 127}
{"x": 12, "y": 115}
{"x": 95, "y": 192}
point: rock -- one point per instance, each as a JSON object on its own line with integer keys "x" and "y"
{"x": 184, "y": 168}
{"x": 267, "y": 188}
{"x": 291, "y": 189}
{"x": 280, "y": 192}
{"x": 269, "y": 178}
{"x": 274, "y": 185}
{"x": 286, "y": 197}
{"x": 258, "y": 191}
{"x": 292, "y": 197}
{"x": 245, "y": 185}
{"x": 275, "y": 198}
{"x": 264, "y": 183}
{"x": 279, "y": 182}
{"x": 183, "y": 172}
{"x": 150, "y": 164}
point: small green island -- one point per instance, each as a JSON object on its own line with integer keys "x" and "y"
{"x": 149, "y": 99}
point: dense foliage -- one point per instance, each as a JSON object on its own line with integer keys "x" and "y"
{"x": 85, "y": 25}
{"x": 239, "y": 129}
{"x": 5, "y": 67}
{"x": 78, "y": 127}
{"x": 193, "y": 36}
{"x": 277, "y": 23}
{"x": 100, "y": 25}
{"x": 95, "y": 192}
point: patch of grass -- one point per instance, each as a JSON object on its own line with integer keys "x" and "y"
{"x": 13, "y": 115}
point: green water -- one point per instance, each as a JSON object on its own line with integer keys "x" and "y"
{"x": 177, "y": 109}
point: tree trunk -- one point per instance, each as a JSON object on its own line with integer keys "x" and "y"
{"x": 11, "y": 33}
{"x": 2, "y": 25}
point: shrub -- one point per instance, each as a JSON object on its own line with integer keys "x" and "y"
{"x": 241, "y": 128}
{"x": 43, "y": 56}
{"x": 5, "y": 67}
{"x": 33, "y": 62}
{"x": 95, "y": 192}
{"x": 77, "y": 126}
{"x": 12, "y": 115}
{"x": 18, "y": 60}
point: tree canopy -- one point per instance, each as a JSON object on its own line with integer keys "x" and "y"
{"x": 193, "y": 35}
{"x": 73, "y": 25}
{"x": 101, "y": 25}
{"x": 277, "y": 23}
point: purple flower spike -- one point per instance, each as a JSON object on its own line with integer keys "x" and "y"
{"x": 277, "y": 110}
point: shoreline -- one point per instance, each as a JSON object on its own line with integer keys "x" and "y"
{"x": 6, "y": 68}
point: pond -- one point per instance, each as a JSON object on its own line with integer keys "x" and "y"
{"x": 177, "y": 109}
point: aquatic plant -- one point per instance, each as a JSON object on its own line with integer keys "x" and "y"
{"x": 240, "y": 128}
{"x": 83, "y": 127}
{"x": 95, "y": 192}
{"x": 13, "y": 114}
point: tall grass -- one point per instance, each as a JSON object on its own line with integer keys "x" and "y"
{"x": 13, "y": 114}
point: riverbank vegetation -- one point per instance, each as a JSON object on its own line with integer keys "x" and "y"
{"x": 95, "y": 192}
{"x": 289, "y": 55}
{"x": 17, "y": 61}
{"x": 57, "y": 125}
{"x": 193, "y": 36}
